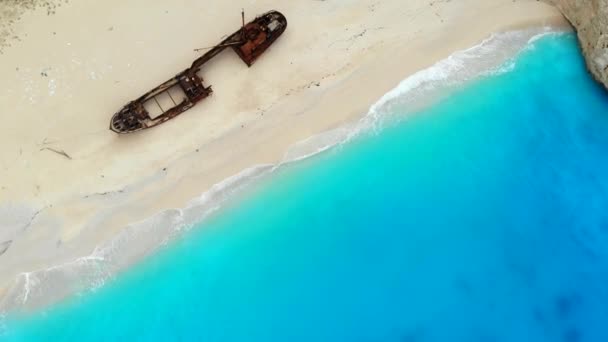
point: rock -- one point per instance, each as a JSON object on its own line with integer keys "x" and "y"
{"x": 590, "y": 19}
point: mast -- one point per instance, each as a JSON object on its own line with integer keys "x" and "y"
{"x": 243, "y": 26}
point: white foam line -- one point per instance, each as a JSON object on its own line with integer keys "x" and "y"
{"x": 439, "y": 71}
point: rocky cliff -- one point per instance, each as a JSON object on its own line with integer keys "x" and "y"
{"x": 590, "y": 19}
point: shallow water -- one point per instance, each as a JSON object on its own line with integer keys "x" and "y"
{"x": 481, "y": 218}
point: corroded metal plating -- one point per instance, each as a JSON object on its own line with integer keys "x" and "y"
{"x": 249, "y": 43}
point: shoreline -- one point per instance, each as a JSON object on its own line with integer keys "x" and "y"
{"x": 82, "y": 224}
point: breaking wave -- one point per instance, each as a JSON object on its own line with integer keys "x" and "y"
{"x": 494, "y": 55}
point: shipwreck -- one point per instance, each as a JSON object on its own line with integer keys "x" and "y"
{"x": 186, "y": 89}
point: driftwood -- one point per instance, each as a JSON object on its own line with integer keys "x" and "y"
{"x": 4, "y": 246}
{"x": 60, "y": 152}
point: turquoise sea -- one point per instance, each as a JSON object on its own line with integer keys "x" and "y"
{"x": 483, "y": 217}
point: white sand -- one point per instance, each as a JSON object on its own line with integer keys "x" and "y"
{"x": 72, "y": 70}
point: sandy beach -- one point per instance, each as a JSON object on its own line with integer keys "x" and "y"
{"x": 68, "y": 184}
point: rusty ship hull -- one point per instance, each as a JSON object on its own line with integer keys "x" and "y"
{"x": 186, "y": 89}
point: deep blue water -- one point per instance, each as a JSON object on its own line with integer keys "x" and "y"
{"x": 481, "y": 218}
